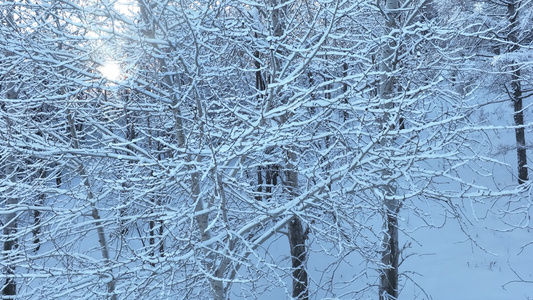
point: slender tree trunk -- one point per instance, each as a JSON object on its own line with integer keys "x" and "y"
{"x": 37, "y": 223}
{"x": 296, "y": 231}
{"x": 9, "y": 289}
{"x": 297, "y": 237}
{"x": 151, "y": 240}
{"x": 260, "y": 86}
{"x": 36, "y": 231}
{"x": 513, "y": 10}
{"x": 388, "y": 288}
{"x": 259, "y": 196}
{"x": 216, "y": 281}
{"x": 519, "y": 131}
{"x": 345, "y": 91}
{"x": 299, "y": 256}
{"x": 102, "y": 240}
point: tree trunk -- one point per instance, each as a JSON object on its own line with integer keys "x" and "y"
{"x": 216, "y": 281}
{"x": 299, "y": 255}
{"x": 388, "y": 288}
{"x": 36, "y": 231}
{"x": 9, "y": 290}
{"x": 296, "y": 231}
{"x": 519, "y": 130}
{"x": 513, "y": 8}
{"x": 297, "y": 239}
{"x": 102, "y": 239}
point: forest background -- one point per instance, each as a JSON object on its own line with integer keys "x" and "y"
{"x": 242, "y": 149}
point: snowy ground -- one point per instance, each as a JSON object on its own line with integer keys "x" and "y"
{"x": 498, "y": 265}
{"x": 451, "y": 267}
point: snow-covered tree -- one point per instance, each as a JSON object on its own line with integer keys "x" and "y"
{"x": 230, "y": 149}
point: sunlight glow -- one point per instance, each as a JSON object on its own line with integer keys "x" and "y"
{"x": 127, "y": 8}
{"x": 111, "y": 70}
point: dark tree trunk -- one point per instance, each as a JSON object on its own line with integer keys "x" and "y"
{"x": 299, "y": 256}
{"x": 37, "y": 223}
{"x": 389, "y": 258}
{"x": 10, "y": 286}
{"x": 297, "y": 237}
{"x": 259, "y": 195}
{"x": 516, "y": 92}
{"x": 151, "y": 240}
{"x": 388, "y": 286}
{"x": 161, "y": 244}
{"x": 9, "y": 289}
{"x": 519, "y": 131}
{"x": 345, "y": 91}
{"x": 37, "y": 216}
